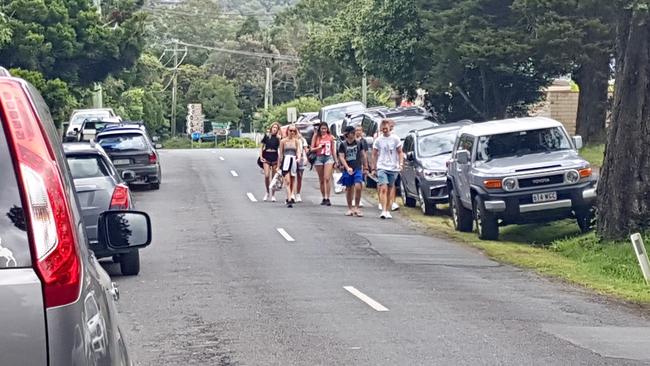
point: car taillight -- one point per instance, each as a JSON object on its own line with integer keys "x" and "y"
{"x": 153, "y": 158}
{"x": 52, "y": 230}
{"x": 120, "y": 198}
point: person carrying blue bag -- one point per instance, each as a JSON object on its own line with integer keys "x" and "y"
{"x": 354, "y": 164}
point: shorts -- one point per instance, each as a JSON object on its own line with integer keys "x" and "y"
{"x": 349, "y": 180}
{"x": 386, "y": 178}
{"x": 289, "y": 165}
{"x": 271, "y": 157}
{"x": 324, "y": 160}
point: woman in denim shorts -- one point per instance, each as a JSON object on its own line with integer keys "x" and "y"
{"x": 324, "y": 145}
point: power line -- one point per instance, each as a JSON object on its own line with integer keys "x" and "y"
{"x": 273, "y": 56}
{"x": 214, "y": 15}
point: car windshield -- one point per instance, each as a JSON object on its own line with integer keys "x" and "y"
{"x": 437, "y": 144}
{"x": 403, "y": 129}
{"x": 79, "y": 118}
{"x": 338, "y": 114}
{"x": 124, "y": 142}
{"x": 87, "y": 166}
{"x": 522, "y": 143}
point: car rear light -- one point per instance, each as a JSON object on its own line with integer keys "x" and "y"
{"x": 492, "y": 184}
{"x": 120, "y": 198}
{"x": 153, "y": 158}
{"x": 52, "y": 231}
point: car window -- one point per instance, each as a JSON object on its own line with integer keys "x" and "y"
{"x": 437, "y": 144}
{"x": 466, "y": 142}
{"x": 87, "y": 166}
{"x": 522, "y": 143}
{"x": 14, "y": 240}
{"x": 123, "y": 142}
{"x": 403, "y": 129}
{"x": 338, "y": 114}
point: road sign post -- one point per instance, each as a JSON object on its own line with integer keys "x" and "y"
{"x": 642, "y": 256}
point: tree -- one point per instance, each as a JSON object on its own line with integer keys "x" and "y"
{"x": 623, "y": 190}
{"x": 218, "y": 97}
{"x": 250, "y": 27}
{"x": 578, "y": 37}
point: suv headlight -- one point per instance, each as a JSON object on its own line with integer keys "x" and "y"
{"x": 433, "y": 174}
{"x": 509, "y": 184}
{"x": 572, "y": 176}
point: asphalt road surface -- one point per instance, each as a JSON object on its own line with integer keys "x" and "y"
{"x": 229, "y": 281}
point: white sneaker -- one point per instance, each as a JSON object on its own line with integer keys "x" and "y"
{"x": 298, "y": 198}
{"x": 388, "y": 215}
{"x": 361, "y": 204}
{"x": 395, "y": 206}
{"x": 266, "y": 197}
{"x": 273, "y": 198}
{"x": 383, "y": 215}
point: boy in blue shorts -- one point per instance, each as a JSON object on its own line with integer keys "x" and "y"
{"x": 354, "y": 164}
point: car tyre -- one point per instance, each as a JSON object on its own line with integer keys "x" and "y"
{"x": 408, "y": 201}
{"x": 427, "y": 207}
{"x": 155, "y": 186}
{"x": 461, "y": 216}
{"x": 487, "y": 224}
{"x": 130, "y": 263}
{"x": 586, "y": 218}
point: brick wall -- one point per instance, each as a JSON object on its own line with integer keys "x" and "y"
{"x": 563, "y": 107}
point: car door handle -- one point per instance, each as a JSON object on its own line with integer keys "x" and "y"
{"x": 115, "y": 292}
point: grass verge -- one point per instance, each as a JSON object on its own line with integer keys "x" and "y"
{"x": 184, "y": 143}
{"x": 594, "y": 154}
{"x": 555, "y": 249}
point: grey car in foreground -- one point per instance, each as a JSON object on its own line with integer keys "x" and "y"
{"x": 58, "y": 303}
{"x": 101, "y": 188}
{"x": 518, "y": 171}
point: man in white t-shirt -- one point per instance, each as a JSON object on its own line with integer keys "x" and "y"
{"x": 387, "y": 152}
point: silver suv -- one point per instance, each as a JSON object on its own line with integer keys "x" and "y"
{"x": 518, "y": 171}
{"x": 58, "y": 303}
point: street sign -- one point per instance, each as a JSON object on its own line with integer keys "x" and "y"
{"x": 292, "y": 115}
{"x": 642, "y": 256}
{"x": 195, "y": 118}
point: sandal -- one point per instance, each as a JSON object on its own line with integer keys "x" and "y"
{"x": 358, "y": 213}
{"x": 349, "y": 213}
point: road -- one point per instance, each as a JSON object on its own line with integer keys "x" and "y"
{"x": 223, "y": 285}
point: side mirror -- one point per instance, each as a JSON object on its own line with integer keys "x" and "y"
{"x": 577, "y": 141}
{"x": 158, "y": 146}
{"x": 155, "y": 139}
{"x": 462, "y": 157}
{"x": 124, "y": 229}
{"x": 128, "y": 176}
{"x": 410, "y": 156}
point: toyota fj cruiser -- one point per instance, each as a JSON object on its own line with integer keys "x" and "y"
{"x": 518, "y": 171}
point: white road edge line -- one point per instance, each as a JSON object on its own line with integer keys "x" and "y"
{"x": 285, "y": 234}
{"x": 221, "y": 158}
{"x": 234, "y": 173}
{"x": 251, "y": 197}
{"x": 365, "y": 298}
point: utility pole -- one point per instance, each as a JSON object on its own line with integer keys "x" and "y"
{"x": 174, "y": 88}
{"x": 268, "y": 89}
{"x": 364, "y": 87}
{"x": 98, "y": 92}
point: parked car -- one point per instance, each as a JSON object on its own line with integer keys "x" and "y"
{"x": 58, "y": 303}
{"x": 90, "y": 128}
{"x": 78, "y": 116}
{"x": 424, "y": 177}
{"x": 131, "y": 149}
{"x": 334, "y": 114}
{"x": 305, "y": 124}
{"x": 403, "y": 126}
{"x": 101, "y": 188}
{"x": 518, "y": 171}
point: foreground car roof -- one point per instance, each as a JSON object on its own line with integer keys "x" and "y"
{"x": 81, "y": 148}
{"x": 510, "y": 125}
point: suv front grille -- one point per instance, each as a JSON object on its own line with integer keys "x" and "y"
{"x": 541, "y": 181}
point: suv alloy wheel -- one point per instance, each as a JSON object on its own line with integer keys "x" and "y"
{"x": 487, "y": 225}
{"x": 461, "y": 216}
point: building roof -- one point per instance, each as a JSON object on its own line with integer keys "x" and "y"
{"x": 510, "y": 125}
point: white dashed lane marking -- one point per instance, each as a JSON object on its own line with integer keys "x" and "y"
{"x": 365, "y": 298}
{"x": 286, "y": 235}
{"x": 251, "y": 197}
{"x": 234, "y": 173}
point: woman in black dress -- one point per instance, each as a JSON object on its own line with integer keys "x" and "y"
{"x": 269, "y": 157}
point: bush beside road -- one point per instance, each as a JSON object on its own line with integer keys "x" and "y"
{"x": 233, "y": 143}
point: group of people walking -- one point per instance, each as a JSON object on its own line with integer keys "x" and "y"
{"x": 291, "y": 154}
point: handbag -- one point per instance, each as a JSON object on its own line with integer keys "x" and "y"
{"x": 276, "y": 183}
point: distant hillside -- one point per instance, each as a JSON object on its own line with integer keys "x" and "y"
{"x": 256, "y": 6}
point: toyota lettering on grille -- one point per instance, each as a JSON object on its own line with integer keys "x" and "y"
{"x": 541, "y": 180}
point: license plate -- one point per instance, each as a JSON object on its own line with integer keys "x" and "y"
{"x": 121, "y": 162}
{"x": 544, "y": 197}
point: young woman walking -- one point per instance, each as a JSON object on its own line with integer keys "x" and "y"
{"x": 290, "y": 155}
{"x": 324, "y": 145}
{"x": 302, "y": 163}
{"x": 269, "y": 157}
